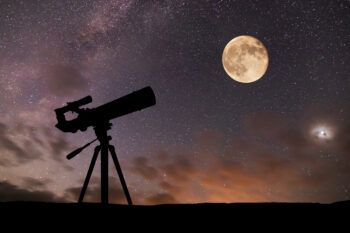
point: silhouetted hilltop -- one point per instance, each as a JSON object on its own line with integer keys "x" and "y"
{"x": 24, "y": 206}
{"x": 175, "y": 212}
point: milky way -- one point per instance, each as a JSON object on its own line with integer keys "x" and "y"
{"x": 208, "y": 138}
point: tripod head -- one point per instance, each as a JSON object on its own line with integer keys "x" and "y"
{"x": 80, "y": 149}
{"x": 101, "y": 136}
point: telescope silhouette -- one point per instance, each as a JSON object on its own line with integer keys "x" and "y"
{"x": 135, "y": 101}
{"x": 99, "y": 119}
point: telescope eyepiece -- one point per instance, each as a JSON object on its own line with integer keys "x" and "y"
{"x": 82, "y": 101}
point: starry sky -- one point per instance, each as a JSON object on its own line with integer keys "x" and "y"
{"x": 209, "y": 138}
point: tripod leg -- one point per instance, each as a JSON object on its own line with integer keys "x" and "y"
{"x": 104, "y": 174}
{"x": 88, "y": 175}
{"x": 120, "y": 173}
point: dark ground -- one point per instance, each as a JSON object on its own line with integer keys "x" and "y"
{"x": 250, "y": 214}
{"x": 193, "y": 218}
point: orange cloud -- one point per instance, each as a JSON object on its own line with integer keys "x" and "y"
{"x": 275, "y": 162}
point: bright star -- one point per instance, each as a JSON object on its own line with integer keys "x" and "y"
{"x": 322, "y": 132}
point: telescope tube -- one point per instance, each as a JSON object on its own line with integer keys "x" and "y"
{"x": 132, "y": 102}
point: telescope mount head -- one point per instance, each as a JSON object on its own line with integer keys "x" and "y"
{"x": 101, "y": 132}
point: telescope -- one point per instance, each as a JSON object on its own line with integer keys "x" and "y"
{"x": 99, "y": 118}
{"x": 135, "y": 101}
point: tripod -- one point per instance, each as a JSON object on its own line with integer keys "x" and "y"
{"x": 104, "y": 148}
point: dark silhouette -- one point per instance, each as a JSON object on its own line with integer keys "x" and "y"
{"x": 99, "y": 119}
{"x": 214, "y": 215}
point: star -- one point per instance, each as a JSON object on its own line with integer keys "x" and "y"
{"x": 205, "y": 130}
{"x": 323, "y": 132}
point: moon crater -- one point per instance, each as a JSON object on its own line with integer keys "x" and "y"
{"x": 245, "y": 59}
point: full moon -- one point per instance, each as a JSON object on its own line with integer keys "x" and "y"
{"x": 245, "y": 59}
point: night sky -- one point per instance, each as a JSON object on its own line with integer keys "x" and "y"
{"x": 285, "y": 137}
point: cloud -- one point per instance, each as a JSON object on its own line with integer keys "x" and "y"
{"x": 63, "y": 80}
{"x": 57, "y": 144}
{"x": 21, "y": 143}
{"x": 32, "y": 183}
{"x": 11, "y": 192}
{"x": 11, "y": 151}
{"x": 161, "y": 198}
{"x": 140, "y": 166}
{"x": 274, "y": 161}
{"x": 116, "y": 195}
